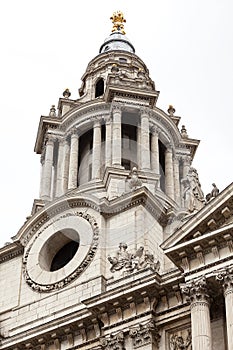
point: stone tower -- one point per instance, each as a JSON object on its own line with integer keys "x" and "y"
{"x": 121, "y": 241}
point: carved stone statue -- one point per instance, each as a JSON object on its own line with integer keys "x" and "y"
{"x": 134, "y": 182}
{"x": 130, "y": 262}
{"x": 193, "y": 195}
{"x": 213, "y": 193}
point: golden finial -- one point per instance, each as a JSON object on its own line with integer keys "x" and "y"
{"x": 118, "y": 20}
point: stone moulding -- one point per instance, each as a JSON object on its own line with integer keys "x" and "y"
{"x": 39, "y": 287}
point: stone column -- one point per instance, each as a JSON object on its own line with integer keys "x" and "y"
{"x": 139, "y": 166}
{"x": 116, "y": 136}
{"x": 177, "y": 180}
{"x": 226, "y": 278}
{"x": 73, "y": 166}
{"x": 198, "y": 296}
{"x": 169, "y": 177}
{"x": 155, "y": 151}
{"x": 145, "y": 140}
{"x": 108, "y": 142}
{"x": 96, "y": 151}
{"x": 59, "y": 171}
{"x": 65, "y": 173}
{"x": 46, "y": 183}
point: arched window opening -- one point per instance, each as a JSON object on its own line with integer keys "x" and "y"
{"x": 162, "y": 150}
{"x": 99, "y": 88}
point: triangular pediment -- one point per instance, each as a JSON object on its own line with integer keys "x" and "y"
{"x": 206, "y": 231}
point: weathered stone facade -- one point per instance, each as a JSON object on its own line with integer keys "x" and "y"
{"x": 122, "y": 251}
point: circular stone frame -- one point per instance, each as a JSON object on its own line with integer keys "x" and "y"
{"x": 73, "y": 226}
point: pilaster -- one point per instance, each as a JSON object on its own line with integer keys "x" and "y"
{"x": 145, "y": 140}
{"x": 169, "y": 177}
{"x": 116, "y": 135}
{"x": 46, "y": 182}
{"x": 108, "y": 141}
{"x": 96, "y": 152}
{"x": 73, "y": 166}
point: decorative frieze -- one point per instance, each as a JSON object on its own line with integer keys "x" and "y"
{"x": 144, "y": 334}
{"x": 113, "y": 342}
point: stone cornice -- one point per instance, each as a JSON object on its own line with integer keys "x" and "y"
{"x": 10, "y": 251}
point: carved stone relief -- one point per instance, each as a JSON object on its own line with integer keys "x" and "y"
{"x": 130, "y": 262}
{"x": 180, "y": 340}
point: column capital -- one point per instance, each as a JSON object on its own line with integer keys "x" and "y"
{"x": 154, "y": 129}
{"x": 50, "y": 139}
{"x": 144, "y": 334}
{"x": 196, "y": 291}
{"x": 73, "y": 132}
{"x": 144, "y": 111}
{"x": 97, "y": 122}
{"x": 116, "y": 107}
{"x": 225, "y": 277}
{"x": 108, "y": 119}
{"x": 114, "y": 341}
{"x": 187, "y": 159}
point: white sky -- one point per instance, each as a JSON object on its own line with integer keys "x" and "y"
{"x": 46, "y": 45}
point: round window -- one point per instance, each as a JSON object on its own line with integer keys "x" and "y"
{"x": 59, "y": 250}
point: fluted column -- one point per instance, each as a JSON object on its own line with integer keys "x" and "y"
{"x": 116, "y": 136}
{"x": 145, "y": 141}
{"x": 96, "y": 151}
{"x": 65, "y": 168}
{"x": 226, "y": 278}
{"x": 155, "y": 151}
{"x": 59, "y": 172}
{"x": 139, "y": 146}
{"x": 198, "y": 296}
{"x": 46, "y": 182}
{"x": 177, "y": 180}
{"x": 73, "y": 166}
{"x": 108, "y": 142}
{"x": 169, "y": 177}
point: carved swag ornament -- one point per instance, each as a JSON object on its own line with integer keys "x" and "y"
{"x": 131, "y": 262}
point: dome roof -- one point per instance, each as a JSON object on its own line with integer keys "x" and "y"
{"x": 117, "y": 41}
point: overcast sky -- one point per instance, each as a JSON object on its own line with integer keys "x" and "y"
{"x": 46, "y": 45}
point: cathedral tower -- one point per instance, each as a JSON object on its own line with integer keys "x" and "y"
{"x": 121, "y": 232}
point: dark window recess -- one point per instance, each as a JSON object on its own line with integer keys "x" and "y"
{"x": 126, "y": 164}
{"x": 162, "y": 150}
{"x": 99, "y": 88}
{"x": 123, "y": 60}
{"x": 64, "y": 255}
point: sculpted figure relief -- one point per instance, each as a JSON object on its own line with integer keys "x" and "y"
{"x": 131, "y": 262}
{"x": 193, "y": 195}
{"x": 180, "y": 341}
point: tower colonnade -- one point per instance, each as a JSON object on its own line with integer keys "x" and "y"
{"x": 62, "y": 155}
